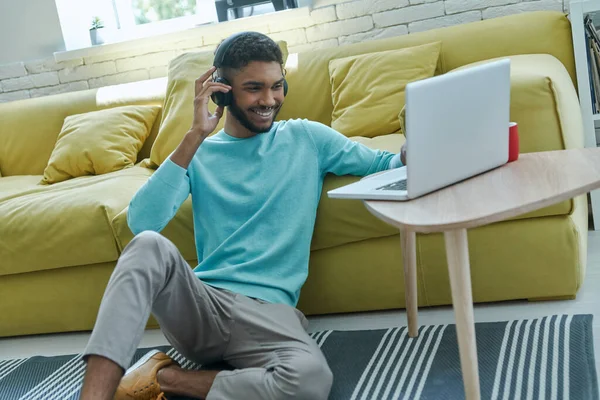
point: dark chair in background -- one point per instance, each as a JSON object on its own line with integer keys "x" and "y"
{"x": 224, "y": 5}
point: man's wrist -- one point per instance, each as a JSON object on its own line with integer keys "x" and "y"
{"x": 194, "y": 138}
{"x": 196, "y": 134}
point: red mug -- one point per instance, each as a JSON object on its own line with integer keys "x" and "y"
{"x": 513, "y": 142}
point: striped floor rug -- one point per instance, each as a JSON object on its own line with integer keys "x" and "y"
{"x": 546, "y": 358}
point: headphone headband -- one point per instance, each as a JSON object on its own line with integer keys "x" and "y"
{"x": 224, "y": 46}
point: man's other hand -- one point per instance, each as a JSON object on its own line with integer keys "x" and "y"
{"x": 403, "y": 154}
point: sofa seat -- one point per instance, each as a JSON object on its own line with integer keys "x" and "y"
{"x": 66, "y": 224}
{"x": 11, "y": 186}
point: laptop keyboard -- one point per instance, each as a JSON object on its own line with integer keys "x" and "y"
{"x": 398, "y": 185}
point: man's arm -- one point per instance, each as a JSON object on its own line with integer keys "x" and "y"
{"x": 342, "y": 156}
{"x": 158, "y": 200}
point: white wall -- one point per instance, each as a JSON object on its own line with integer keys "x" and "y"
{"x": 29, "y": 29}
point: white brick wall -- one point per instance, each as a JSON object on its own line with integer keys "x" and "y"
{"x": 323, "y": 44}
{"x": 375, "y": 34}
{"x": 363, "y": 7}
{"x": 409, "y": 14}
{"x": 14, "y": 70}
{"x": 335, "y": 23}
{"x": 158, "y": 72}
{"x": 49, "y": 65}
{"x": 12, "y": 96}
{"x": 336, "y": 29}
{"x": 62, "y": 88}
{"x": 494, "y": 12}
{"x": 442, "y": 22}
{"x": 294, "y": 37}
{"x": 87, "y": 72}
{"x": 456, "y": 6}
{"x": 147, "y": 61}
{"x": 124, "y": 77}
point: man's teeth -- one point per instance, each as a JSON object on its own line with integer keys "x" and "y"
{"x": 264, "y": 113}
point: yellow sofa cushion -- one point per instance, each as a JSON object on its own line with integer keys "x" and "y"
{"x": 99, "y": 142}
{"x": 66, "y": 224}
{"x": 178, "y": 111}
{"x": 368, "y": 90}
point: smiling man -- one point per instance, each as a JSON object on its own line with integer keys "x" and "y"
{"x": 255, "y": 188}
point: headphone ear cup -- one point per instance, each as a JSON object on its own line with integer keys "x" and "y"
{"x": 285, "y": 87}
{"x": 220, "y": 98}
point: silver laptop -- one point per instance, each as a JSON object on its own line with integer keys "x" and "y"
{"x": 456, "y": 128}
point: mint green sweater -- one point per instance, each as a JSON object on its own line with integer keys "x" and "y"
{"x": 254, "y": 203}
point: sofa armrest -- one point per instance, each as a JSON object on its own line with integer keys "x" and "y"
{"x": 544, "y": 103}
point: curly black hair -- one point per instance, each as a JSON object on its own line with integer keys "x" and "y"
{"x": 251, "y": 46}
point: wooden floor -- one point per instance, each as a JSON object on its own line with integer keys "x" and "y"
{"x": 587, "y": 302}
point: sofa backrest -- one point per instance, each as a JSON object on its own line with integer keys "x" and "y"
{"x": 544, "y": 32}
{"x": 29, "y": 128}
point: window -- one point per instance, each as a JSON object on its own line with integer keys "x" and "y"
{"x": 130, "y": 19}
{"x": 147, "y": 11}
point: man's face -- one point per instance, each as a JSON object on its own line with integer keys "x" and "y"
{"x": 257, "y": 95}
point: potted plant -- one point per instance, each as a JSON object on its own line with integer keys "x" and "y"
{"x": 96, "y": 31}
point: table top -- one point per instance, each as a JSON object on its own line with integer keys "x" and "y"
{"x": 534, "y": 181}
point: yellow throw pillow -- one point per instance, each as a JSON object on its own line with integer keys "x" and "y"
{"x": 368, "y": 89}
{"x": 178, "y": 110}
{"x": 99, "y": 142}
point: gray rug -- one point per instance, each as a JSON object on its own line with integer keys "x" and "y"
{"x": 546, "y": 358}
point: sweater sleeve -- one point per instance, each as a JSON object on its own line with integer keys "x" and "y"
{"x": 157, "y": 201}
{"x": 341, "y": 156}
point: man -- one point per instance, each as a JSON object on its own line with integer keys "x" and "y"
{"x": 255, "y": 188}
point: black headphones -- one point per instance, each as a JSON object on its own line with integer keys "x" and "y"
{"x": 226, "y": 99}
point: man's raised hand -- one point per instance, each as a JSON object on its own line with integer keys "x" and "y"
{"x": 204, "y": 122}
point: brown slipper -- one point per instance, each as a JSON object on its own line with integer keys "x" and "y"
{"x": 140, "y": 382}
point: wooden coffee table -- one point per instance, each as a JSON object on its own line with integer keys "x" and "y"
{"x": 534, "y": 181}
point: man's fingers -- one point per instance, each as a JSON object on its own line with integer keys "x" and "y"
{"x": 208, "y": 84}
{"x": 210, "y": 89}
{"x": 207, "y": 92}
{"x": 200, "y": 81}
{"x": 219, "y": 112}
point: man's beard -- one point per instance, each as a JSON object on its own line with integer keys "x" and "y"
{"x": 241, "y": 116}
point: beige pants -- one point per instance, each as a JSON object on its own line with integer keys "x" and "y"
{"x": 267, "y": 343}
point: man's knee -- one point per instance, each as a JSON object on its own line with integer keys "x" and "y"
{"x": 313, "y": 378}
{"x": 143, "y": 251}
{"x": 146, "y": 239}
{"x": 148, "y": 242}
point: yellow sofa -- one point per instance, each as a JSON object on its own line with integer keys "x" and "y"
{"x": 59, "y": 243}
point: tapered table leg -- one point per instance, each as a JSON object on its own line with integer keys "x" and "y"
{"x": 457, "y": 252}
{"x": 409, "y": 255}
